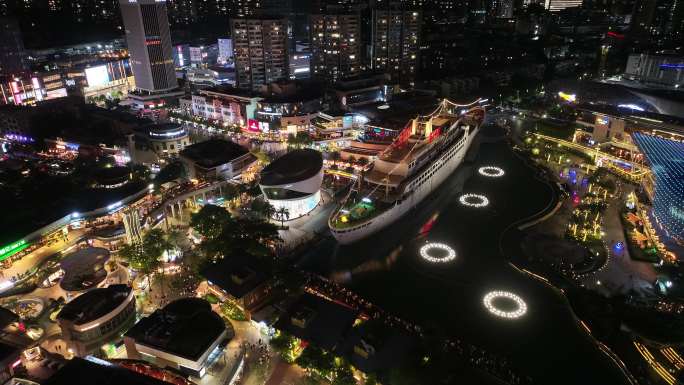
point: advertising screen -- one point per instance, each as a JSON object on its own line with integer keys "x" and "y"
{"x": 97, "y": 76}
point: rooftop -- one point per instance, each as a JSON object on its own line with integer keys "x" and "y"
{"x": 94, "y": 304}
{"x": 213, "y": 152}
{"x": 237, "y": 275}
{"x": 185, "y": 327}
{"x": 396, "y": 113}
{"x": 85, "y": 372}
{"x": 317, "y": 320}
{"x": 295, "y": 166}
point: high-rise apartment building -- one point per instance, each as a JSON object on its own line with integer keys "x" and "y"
{"x": 149, "y": 44}
{"x": 260, "y": 51}
{"x": 395, "y": 42}
{"x": 502, "y": 9}
{"x": 335, "y": 46}
{"x": 11, "y": 47}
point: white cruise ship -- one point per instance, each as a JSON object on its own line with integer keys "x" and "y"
{"x": 422, "y": 156}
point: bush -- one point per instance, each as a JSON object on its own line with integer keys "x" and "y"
{"x": 232, "y": 311}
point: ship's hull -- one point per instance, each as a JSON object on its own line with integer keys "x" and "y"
{"x": 441, "y": 169}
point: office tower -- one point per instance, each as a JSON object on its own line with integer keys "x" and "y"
{"x": 260, "y": 51}
{"x": 11, "y": 47}
{"x": 559, "y": 5}
{"x": 149, "y": 44}
{"x": 335, "y": 46}
{"x": 395, "y": 42}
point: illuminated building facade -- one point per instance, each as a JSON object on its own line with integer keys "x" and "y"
{"x": 335, "y": 46}
{"x": 293, "y": 182}
{"x": 666, "y": 70}
{"x": 149, "y": 44}
{"x": 227, "y": 105}
{"x": 395, "y": 42}
{"x": 168, "y": 139}
{"x": 666, "y": 158}
{"x": 260, "y": 51}
{"x": 29, "y": 89}
{"x": 97, "y": 317}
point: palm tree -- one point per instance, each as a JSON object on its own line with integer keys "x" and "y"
{"x": 269, "y": 210}
{"x": 283, "y": 214}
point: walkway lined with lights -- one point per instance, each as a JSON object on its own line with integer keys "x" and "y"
{"x": 639, "y": 171}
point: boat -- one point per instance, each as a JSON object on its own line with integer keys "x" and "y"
{"x": 419, "y": 160}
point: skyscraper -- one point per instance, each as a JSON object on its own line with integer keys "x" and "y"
{"x": 335, "y": 46}
{"x": 11, "y": 47}
{"x": 395, "y": 42}
{"x": 149, "y": 44}
{"x": 260, "y": 51}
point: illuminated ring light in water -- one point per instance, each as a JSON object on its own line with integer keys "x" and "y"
{"x": 519, "y": 311}
{"x": 474, "y": 200}
{"x": 449, "y": 256}
{"x": 491, "y": 171}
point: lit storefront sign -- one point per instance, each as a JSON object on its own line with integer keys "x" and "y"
{"x": 12, "y": 249}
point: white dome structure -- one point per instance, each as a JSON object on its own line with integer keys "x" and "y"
{"x": 293, "y": 181}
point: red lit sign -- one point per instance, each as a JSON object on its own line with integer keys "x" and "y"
{"x": 253, "y": 125}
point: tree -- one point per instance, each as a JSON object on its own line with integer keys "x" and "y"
{"x": 283, "y": 214}
{"x": 317, "y": 359}
{"x": 262, "y": 208}
{"x": 170, "y": 172}
{"x": 145, "y": 256}
{"x": 210, "y": 221}
{"x": 344, "y": 376}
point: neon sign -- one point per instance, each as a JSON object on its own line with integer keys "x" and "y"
{"x": 12, "y": 249}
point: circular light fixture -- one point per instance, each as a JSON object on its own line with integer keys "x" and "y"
{"x": 474, "y": 200}
{"x": 449, "y": 253}
{"x": 520, "y": 305}
{"x": 491, "y": 171}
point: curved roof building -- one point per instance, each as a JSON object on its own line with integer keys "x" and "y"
{"x": 293, "y": 181}
{"x": 96, "y": 317}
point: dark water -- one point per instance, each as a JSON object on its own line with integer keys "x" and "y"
{"x": 547, "y": 343}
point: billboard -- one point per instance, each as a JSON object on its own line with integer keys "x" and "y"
{"x": 97, "y": 76}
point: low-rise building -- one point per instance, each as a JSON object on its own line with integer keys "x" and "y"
{"x": 185, "y": 334}
{"x": 227, "y": 105}
{"x": 318, "y": 321}
{"x": 93, "y": 370}
{"x": 151, "y": 143}
{"x": 241, "y": 279}
{"x": 293, "y": 182}
{"x": 97, "y": 317}
{"x": 216, "y": 159}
